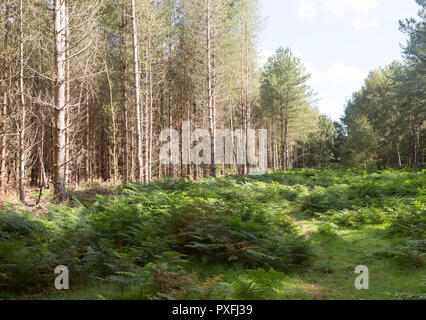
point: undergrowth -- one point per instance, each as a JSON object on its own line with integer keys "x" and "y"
{"x": 144, "y": 239}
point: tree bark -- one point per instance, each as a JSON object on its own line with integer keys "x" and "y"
{"x": 210, "y": 93}
{"x": 67, "y": 97}
{"x": 398, "y": 154}
{"x": 125, "y": 123}
{"x": 247, "y": 93}
{"x": 22, "y": 157}
{"x": 3, "y": 138}
{"x": 149, "y": 165}
{"x": 60, "y": 103}
{"x": 137, "y": 93}
{"x": 3, "y": 128}
{"x": 416, "y": 143}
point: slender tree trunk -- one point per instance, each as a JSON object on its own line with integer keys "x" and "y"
{"x": 234, "y": 155}
{"x": 149, "y": 175}
{"x": 139, "y": 133}
{"x": 22, "y": 158}
{"x": 283, "y": 146}
{"x": 148, "y": 98}
{"x": 67, "y": 97}
{"x": 416, "y": 143}
{"x": 113, "y": 131}
{"x": 3, "y": 128}
{"x": 247, "y": 93}
{"x": 3, "y": 138}
{"x": 87, "y": 141}
{"x": 124, "y": 123}
{"x": 210, "y": 92}
{"x": 146, "y": 124}
{"x": 303, "y": 155}
{"x": 160, "y": 117}
{"x": 171, "y": 172}
{"x": 43, "y": 177}
{"x": 398, "y": 153}
{"x": 60, "y": 103}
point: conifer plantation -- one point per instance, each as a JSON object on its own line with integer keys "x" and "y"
{"x": 92, "y": 90}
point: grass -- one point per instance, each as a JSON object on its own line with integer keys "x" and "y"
{"x": 330, "y": 277}
{"x": 344, "y": 216}
{"x": 337, "y": 258}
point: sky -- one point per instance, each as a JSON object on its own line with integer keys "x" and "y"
{"x": 339, "y": 41}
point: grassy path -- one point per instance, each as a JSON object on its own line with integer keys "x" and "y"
{"x": 332, "y": 274}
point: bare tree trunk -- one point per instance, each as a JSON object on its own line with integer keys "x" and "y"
{"x": 149, "y": 165}
{"x": 160, "y": 117}
{"x": 171, "y": 168}
{"x": 125, "y": 124}
{"x": 87, "y": 141}
{"x": 3, "y": 139}
{"x": 60, "y": 103}
{"x": 247, "y": 93}
{"x": 398, "y": 153}
{"x": 234, "y": 154}
{"x": 210, "y": 93}
{"x": 22, "y": 158}
{"x": 43, "y": 180}
{"x": 146, "y": 120}
{"x": 283, "y": 162}
{"x": 194, "y": 166}
{"x": 303, "y": 155}
{"x": 3, "y": 151}
{"x": 286, "y": 147}
{"x": 43, "y": 177}
{"x": 113, "y": 130}
{"x": 137, "y": 93}
{"x": 67, "y": 97}
{"x": 416, "y": 143}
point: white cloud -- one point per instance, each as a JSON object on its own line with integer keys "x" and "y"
{"x": 335, "y": 85}
{"x": 339, "y": 74}
{"x": 341, "y": 7}
{"x": 360, "y": 10}
{"x": 363, "y": 21}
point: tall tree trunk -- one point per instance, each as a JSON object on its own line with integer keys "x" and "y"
{"x": 171, "y": 172}
{"x": 113, "y": 130}
{"x": 3, "y": 128}
{"x": 283, "y": 144}
{"x": 247, "y": 93}
{"x": 149, "y": 165}
{"x": 67, "y": 97}
{"x": 3, "y": 138}
{"x": 22, "y": 158}
{"x": 210, "y": 92}
{"x": 60, "y": 103}
{"x": 137, "y": 93}
{"x": 124, "y": 119}
{"x": 87, "y": 140}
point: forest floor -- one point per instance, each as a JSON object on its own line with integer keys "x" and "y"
{"x": 331, "y": 277}
{"x": 337, "y": 221}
